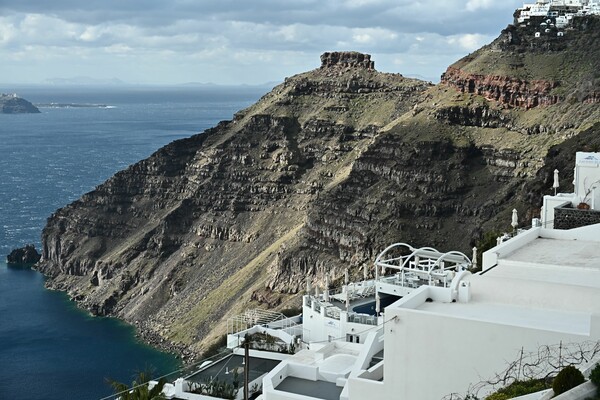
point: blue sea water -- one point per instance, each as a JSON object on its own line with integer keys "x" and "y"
{"x": 49, "y": 349}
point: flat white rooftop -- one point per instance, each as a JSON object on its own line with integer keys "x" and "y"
{"x": 567, "y": 262}
{"x": 511, "y": 315}
{"x": 563, "y": 252}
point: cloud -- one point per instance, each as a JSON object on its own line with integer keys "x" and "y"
{"x": 469, "y": 42}
{"x": 186, "y": 37}
{"x": 474, "y": 5}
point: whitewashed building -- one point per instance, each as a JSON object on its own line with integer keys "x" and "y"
{"x": 422, "y": 325}
{"x": 540, "y": 288}
{"x": 560, "y": 12}
{"x": 586, "y": 195}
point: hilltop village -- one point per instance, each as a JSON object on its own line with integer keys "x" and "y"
{"x": 554, "y": 16}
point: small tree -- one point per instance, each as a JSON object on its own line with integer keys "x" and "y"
{"x": 488, "y": 241}
{"x": 217, "y": 388}
{"x": 567, "y": 379}
{"x": 139, "y": 388}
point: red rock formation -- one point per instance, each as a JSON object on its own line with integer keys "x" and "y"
{"x": 592, "y": 98}
{"x": 508, "y": 91}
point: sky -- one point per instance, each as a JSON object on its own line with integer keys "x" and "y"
{"x": 235, "y": 41}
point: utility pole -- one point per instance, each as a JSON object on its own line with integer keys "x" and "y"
{"x": 246, "y": 368}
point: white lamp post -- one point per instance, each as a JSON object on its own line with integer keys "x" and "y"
{"x": 555, "y": 185}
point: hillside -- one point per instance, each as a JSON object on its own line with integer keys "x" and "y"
{"x": 319, "y": 175}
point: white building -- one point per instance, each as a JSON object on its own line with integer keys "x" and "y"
{"x": 540, "y": 288}
{"x": 560, "y": 12}
{"x": 586, "y": 185}
{"x": 426, "y": 327}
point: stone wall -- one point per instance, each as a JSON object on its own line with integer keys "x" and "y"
{"x": 570, "y": 218}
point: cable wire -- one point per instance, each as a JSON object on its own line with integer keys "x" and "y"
{"x": 169, "y": 374}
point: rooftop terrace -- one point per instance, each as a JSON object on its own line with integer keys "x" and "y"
{"x": 224, "y": 369}
{"x": 553, "y": 260}
{"x": 317, "y": 389}
{"x": 512, "y": 315}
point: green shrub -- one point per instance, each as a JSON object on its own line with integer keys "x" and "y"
{"x": 497, "y": 396}
{"x": 567, "y": 379}
{"x": 518, "y": 388}
{"x": 484, "y": 244}
{"x": 595, "y": 377}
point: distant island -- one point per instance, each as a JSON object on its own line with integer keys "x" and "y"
{"x": 13, "y": 104}
{"x": 72, "y": 105}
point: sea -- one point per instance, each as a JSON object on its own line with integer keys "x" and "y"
{"x": 50, "y": 349}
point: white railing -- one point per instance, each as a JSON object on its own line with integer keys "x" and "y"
{"x": 264, "y": 318}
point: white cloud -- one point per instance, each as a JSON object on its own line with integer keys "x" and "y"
{"x": 119, "y": 48}
{"x": 185, "y": 39}
{"x": 362, "y": 38}
{"x": 7, "y": 31}
{"x": 469, "y": 42}
{"x": 474, "y": 5}
{"x": 364, "y": 3}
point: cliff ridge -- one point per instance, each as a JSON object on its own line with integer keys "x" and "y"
{"x": 317, "y": 177}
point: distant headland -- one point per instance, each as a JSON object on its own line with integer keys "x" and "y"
{"x": 13, "y": 104}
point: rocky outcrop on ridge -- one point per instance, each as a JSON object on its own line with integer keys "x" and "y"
{"x": 12, "y": 104}
{"x": 347, "y": 59}
{"x": 317, "y": 177}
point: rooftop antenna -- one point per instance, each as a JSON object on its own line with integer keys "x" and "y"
{"x": 326, "y": 292}
{"x": 347, "y": 281}
{"x": 555, "y": 185}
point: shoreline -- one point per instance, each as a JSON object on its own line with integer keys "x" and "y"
{"x": 142, "y": 332}
{"x": 149, "y": 337}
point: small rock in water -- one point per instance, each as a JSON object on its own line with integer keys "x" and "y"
{"x": 24, "y": 255}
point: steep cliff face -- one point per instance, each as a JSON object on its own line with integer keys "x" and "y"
{"x": 177, "y": 240}
{"x": 319, "y": 175}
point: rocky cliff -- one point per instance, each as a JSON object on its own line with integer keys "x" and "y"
{"x": 530, "y": 66}
{"x": 12, "y": 104}
{"x": 318, "y": 176}
{"x": 27, "y": 255}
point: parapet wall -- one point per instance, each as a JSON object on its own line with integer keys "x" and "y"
{"x": 571, "y": 218}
